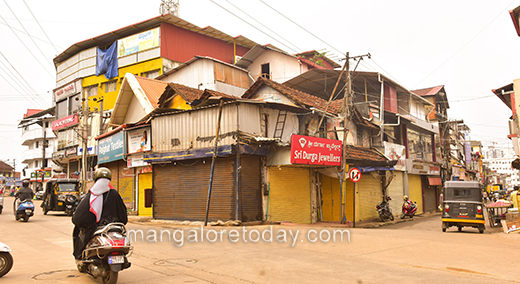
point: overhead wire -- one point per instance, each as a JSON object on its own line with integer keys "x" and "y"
{"x": 50, "y": 41}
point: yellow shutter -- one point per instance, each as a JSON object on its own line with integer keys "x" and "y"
{"x": 396, "y": 192}
{"x": 145, "y": 181}
{"x": 415, "y": 191}
{"x": 368, "y": 195}
{"x": 290, "y": 195}
{"x": 331, "y": 196}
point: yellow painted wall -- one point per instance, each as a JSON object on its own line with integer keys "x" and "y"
{"x": 290, "y": 195}
{"x": 415, "y": 191}
{"x": 110, "y": 97}
{"x": 145, "y": 181}
{"x": 331, "y": 197}
{"x": 179, "y": 103}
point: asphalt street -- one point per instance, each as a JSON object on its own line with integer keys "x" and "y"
{"x": 414, "y": 251}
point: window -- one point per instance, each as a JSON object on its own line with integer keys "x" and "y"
{"x": 91, "y": 91}
{"x": 151, "y": 74}
{"x": 37, "y": 144}
{"x": 266, "y": 71}
{"x": 462, "y": 192}
{"x": 110, "y": 86}
{"x": 61, "y": 109}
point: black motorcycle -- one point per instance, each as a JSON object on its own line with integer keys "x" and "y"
{"x": 106, "y": 253}
{"x": 384, "y": 210}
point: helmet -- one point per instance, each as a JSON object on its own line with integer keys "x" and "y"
{"x": 388, "y": 197}
{"x": 102, "y": 173}
{"x": 405, "y": 197}
{"x": 25, "y": 183}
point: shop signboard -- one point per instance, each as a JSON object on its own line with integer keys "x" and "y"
{"x": 111, "y": 148}
{"x": 309, "y": 150}
{"x": 138, "y": 140}
{"x": 396, "y": 152}
{"x": 65, "y": 122}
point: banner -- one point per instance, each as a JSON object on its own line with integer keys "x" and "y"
{"x": 111, "y": 148}
{"x": 139, "y": 140}
{"x": 309, "y": 150}
{"x": 138, "y": 42}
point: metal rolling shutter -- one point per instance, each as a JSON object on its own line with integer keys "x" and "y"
{"x": 251, "y": 189}
{"x": 396, "y": 192}
{"x": 430, "y": 198}
{"x": 369, "y": 194}
{"x": 415, "y": 191}
{"x": 290, "y": 195}
{"x": 181, "y": 191}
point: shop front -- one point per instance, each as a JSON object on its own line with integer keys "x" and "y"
{"x": 424, "y": 184}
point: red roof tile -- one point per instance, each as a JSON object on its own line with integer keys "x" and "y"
{"x": 153, "y": 89}
{"x": 359, "y": 155}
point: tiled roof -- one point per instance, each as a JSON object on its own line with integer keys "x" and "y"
{"x": 301, "y": 98}
{"x": 359, "y": 155}
{"x": 428, "y": 91}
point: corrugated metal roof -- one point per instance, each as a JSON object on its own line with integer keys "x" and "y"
{"x": 194, "y": 59}
{"x": 428, "y": 91}
{"x": 255, "y": 52}
{"x": 112, "y": 36}
{"x": 312, "y": 52}
{"x": 152, "y": 88}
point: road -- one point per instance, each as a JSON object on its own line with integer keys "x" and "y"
{"x": 410, "y": 252}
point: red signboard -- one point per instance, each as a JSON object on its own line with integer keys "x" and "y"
{"x": 315, "y": 151}
{"x": 65, "y": 122}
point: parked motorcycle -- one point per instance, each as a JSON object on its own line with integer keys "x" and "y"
{"x": 409, "y": 208}
{"x": 1, "y": 200}
{"x": 24, "y": 211}
{"x": 106, "y": 253}
{"x": 6, "y": 260}
{"x": 384, "y": 210}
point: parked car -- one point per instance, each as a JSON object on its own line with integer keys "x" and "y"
{"x": 39, "y": 195}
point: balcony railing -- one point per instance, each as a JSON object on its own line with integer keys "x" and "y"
{"x": 35, "y": 154}
{"x": 30, "y": 135}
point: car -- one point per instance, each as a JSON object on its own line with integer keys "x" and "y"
{"x": 39, "y": 195}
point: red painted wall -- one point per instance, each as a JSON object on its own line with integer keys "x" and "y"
{"x": 181, "y": 45}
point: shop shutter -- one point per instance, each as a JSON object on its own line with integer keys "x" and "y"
{"x": 368, "y": 195}
{"x": 181, "y": 190}
{"x": 430, "y": 196}
{"x": 415, "y": 191}
{"x": 396, "y": 192}
{"x": 290, "y": 195}
{"x": 251, "y": 188}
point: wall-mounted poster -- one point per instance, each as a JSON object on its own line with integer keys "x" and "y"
{"x": 139, "y": 140}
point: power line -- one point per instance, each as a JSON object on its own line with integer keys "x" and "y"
{"x": 55, "y": 49}
{"x": 27, "y": 47}
{"x": 249, "y": 24}
{"x": 465, "y": 44}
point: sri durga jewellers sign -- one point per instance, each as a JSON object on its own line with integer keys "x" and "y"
{"x": 65, "y": 122}
{"x": 315, "y": 151}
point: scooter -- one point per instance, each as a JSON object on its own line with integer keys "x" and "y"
{"x": 24, "y": 211}
{"x": 106, "y": 253}
{"x": 384, "y": 210}
{"x": 6, "y": 260}
{"x": 409, "y": 209}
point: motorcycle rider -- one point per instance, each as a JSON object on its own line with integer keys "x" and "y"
{"x": 25, "y": 192}
{"x": 102, "y": 205}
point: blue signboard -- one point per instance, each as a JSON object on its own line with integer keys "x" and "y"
{"x": 111, "y": 148}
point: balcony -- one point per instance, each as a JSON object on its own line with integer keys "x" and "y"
{"x": 30, "y": 135}
{"x": 36, "y": 154}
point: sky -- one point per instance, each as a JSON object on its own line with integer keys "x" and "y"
{"x": 470, "y": 47}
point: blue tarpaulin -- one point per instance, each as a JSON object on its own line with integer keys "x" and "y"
{"x": 107, "y": 62}
{"x": 370, "y": 169}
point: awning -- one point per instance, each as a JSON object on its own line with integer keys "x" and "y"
{"x": 435, "y": 180}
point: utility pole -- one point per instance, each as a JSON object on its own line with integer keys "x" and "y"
{"x": 84, "y": 139}
{"x": 44, "y": 161}
{"x": 346, "y": 118}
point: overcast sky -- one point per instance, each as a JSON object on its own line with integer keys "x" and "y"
{"x": 471, "y": 47}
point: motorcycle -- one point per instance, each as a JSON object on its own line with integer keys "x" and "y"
{"x": 24, "y": 211}
{"x": 384, "y": 210}
{"x": 71, "y": 202}
{"x": 6, "y": 260}
{"x": 106, "y": 253}
{"x": 409, "y": 209}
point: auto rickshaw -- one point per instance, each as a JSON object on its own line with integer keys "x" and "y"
{"x": 61, "y": 194}
{"x": 463, "y": 206}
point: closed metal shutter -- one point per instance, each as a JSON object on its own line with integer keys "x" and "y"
{"x": 430, "y": 198}
{"x": 396, "y": 192}
{"x": 415, "y": 191}
{"x": 145, "y": 181}
{"x": 251, "y": 188}
{"x": 290, "y": 195}
{"x": 368, "y": 195}
{"x": 181, "y": 190}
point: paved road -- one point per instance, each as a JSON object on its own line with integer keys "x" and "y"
{"x": 409, "y": 252}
